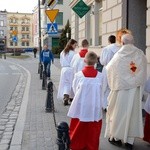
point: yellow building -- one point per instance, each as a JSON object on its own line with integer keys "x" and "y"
{"x": 107, "y": 16}
{"x": 19, "y": 31}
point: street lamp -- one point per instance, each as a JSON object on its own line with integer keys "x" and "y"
{"x": 39, "y": 11}
{"x": 40, "y": 47}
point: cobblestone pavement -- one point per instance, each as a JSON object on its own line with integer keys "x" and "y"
{"x": 9, "y": 117}
{"x": 39, "y": 129}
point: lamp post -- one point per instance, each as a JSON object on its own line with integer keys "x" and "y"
{"x": 39, "y": 11}
{"x": 40, "y": 47}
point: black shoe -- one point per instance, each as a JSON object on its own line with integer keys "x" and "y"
{"x": 129, "y": 146}
{"x": 114, "y": 142}
{"x": 65, "y": 102}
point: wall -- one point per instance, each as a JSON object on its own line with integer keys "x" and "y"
{"x": 148, "y": 32}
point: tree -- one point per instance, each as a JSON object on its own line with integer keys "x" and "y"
{"x": 63, "y": 37}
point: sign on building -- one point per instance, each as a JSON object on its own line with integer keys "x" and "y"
{"x": 51, "y": 14}
{"x": 14, "y": 39}
{"x": 51, "y": 3}
{"x": 81, "y": 8}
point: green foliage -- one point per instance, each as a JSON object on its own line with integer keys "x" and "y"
{"x": 56, "y": 50}
{"x": 63, "y": 37}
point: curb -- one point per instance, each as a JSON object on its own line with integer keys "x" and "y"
{"x": 19, "y": 127}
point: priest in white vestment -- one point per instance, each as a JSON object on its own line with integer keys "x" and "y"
{"x": 126, "y": 73}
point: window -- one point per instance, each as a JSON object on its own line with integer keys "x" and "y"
{"x": 27, "y": 43}
{"x": 59, "y": 18}
{"x": 28, "y": 36}
{"x": 27, "y": 28}
{"x": 1, "y": 23}
{"x": 11, "y": 36}
{"x": 16, "y": 43}
{"x": 91, "y": 29}
{"x": 11, "y": 43}
{"x": 15, "y": 20}
{"x": 23, "y": 36}
{"x": 16, "y": 28}
{"x": 11, "y": 20}
{"x": 11, "y": 28}
{"x": 23, "y": 28}
{"x": 1, "y": 32}
{"x": 60, "y": 2}
{"x": 100, "y": 24}
{"x": 23, "y": 43}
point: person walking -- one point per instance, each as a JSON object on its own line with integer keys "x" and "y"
{"x": 65, "y": 84}
{"x": 106, "y": 55}
{"x": 47, "y": 58}
{"x": 34, "y": 51}
{"x": 126, "y": 74}
{"x": 147, "y": 109}
{"x": 77, "y": 61}
{"x": 86, "y": 108}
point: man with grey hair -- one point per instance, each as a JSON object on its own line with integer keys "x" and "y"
{"x": 126, "y": 73}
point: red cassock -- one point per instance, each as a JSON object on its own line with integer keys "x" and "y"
{"x": 85, "y": 135}
{"x": 147, "y": 128}
{"x": 83, "y": 52}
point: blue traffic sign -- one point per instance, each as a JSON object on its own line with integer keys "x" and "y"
{"x": 52, "y": 28}
{"x": 14, "y": 39}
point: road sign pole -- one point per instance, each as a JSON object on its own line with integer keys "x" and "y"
{"x": 14, "y": 50}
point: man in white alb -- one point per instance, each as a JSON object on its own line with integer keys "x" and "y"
{"x": 126, "y": 73}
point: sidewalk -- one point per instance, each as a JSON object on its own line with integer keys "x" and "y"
{"x": 39, "y": 129}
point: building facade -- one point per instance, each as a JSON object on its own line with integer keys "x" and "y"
{"x": 3, "y": 30}
{"x": 61, "y": 19}
{"x": 107, "y": 16}
{"x": 19, "y": 31}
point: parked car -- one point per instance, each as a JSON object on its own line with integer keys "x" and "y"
{"x": 28, "y": 50}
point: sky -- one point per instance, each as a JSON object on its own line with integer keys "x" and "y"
{"x": 21, "y": 6}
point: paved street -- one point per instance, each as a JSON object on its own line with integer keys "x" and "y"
{"x": 34, "y": 129}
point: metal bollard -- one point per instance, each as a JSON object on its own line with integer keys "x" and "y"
{"x": 44, "y": 81}
{"x": 49, "y": 99}
{"x": 63, "y": 139}
{"x": 41, "y": 70}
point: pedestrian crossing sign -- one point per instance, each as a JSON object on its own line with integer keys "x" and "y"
{"x": 52, "y": 28}
{"x": 14, "y": 39}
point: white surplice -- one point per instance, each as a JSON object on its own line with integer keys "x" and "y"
{"x": 86, "y": 105}
{"x": 106, "y": 55}
{"x": 66, "y": 77}
{"x": 126, "y": 73}
{"x": 77, "y": 63}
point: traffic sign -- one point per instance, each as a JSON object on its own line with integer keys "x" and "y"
{"x": 14, "y": 38}
{"x": 14, "y": 32}
{"x": 81, "y": 8}
{"x": 52, "y": 3}
{"x": 51, "y": 14}
{"x": 52, "y": 28}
